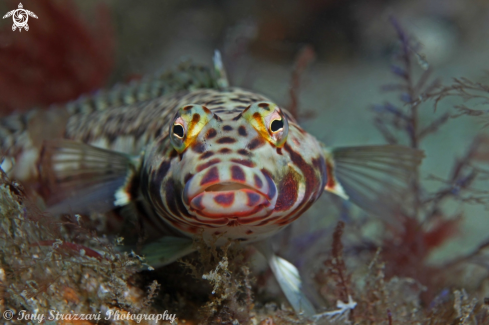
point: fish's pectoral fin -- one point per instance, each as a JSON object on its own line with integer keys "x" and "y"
{"x": 165, "y": 250}
{"x": 375, "y": 178}
{"x": 79, "y": 178}
{"x": 289, "y": 280}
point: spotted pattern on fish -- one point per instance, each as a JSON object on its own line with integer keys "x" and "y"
{"x": 236, "y": 167}
{"x": 230, "y": 172}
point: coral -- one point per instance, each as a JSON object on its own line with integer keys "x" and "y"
{"x": 42, "y": 270}
{"x": 225, "y": 269}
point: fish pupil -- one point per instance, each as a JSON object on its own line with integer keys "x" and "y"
{"x": 277, "y": 125}
{"x": 178, "y": 130}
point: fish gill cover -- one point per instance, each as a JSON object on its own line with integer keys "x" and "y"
{"x": 387, "y": 278}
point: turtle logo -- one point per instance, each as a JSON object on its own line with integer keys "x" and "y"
{"x": 20, "y": 17}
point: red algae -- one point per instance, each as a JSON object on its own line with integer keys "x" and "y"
{"x": 49, "y": 64}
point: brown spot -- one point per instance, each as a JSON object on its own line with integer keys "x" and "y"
{"x": 206, "y": 110}
{"x": 264, "y": 106}
{"x": 158, "y": 133}
{"x": 173, "y": 154}
{"x": 244, "y": 152}
{"x": 272, "y": 190}
{"x": 279, "y": 151}
{"x": 227, "y": 128}
{"x": 215, "y": 102}
{"x": 330, "y": 175}
{"x": 233, "y": 223}
{"x": 243, "y": 162}
{"x": 253, "y": 199}
{"x": 288, "y": 191}
{"x": 320, "y": 166}
{"x": 170, "y": 197}
{"x": 207, "y": 164}
{"x": 206, "y": 155}
{"x": 256, "y": 143}
{"x": 210, "y": 134}
{"x": 309, "y": 174}
{"x": 242, "y": 101}
{"x": 258, "y": 182}
{"x": 225, "y": 199}
{"x": 186, "y": 108}
{"x": 197, "y": 203}
{"x": 193, "y": 229}
{"x": 217, "y": 233}
{"x": 217, "y": 118}
{"x": 226, "y": 140}
{"x": 237, "y": 174}
{"x": 156, "y": 179}
{"x": 188, "y": 177}
{"x": 212, "y": 176}
{"x": 242, "y": 131}
{"x": 196, "y": 118}
{"x": 300, "y": 130}
{"x": 225, "y": 151}
{"x": 249, "y": 232}
{"x": 241, "y": 114}
{"x": 198, "y": 147}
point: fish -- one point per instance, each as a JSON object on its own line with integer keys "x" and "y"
{"x": 197, "y": 158}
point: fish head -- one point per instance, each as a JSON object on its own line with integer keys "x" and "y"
{"x": 257, "y": 170}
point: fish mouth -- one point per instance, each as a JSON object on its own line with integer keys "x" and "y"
{"x": 224, "y": 196}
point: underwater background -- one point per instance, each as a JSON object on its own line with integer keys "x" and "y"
{"x": 340, "y": 64}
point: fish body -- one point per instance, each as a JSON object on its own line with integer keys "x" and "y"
{"x": 231, "y": 177}
{"x": 199, "y": 158}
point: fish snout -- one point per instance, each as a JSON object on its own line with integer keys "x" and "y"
{"x": 230, "y": 189}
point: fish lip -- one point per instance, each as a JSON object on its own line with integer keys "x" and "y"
{"x": 254, "y": 179}
{"x": 202, "y": 204}
{"x": 188, "y": 200}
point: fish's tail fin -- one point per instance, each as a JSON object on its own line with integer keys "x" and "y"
{"x": 376, "y": 178}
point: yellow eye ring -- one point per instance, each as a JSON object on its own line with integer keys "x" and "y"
{"x": 187, "y": 124}
{"x": 269, "y": 121}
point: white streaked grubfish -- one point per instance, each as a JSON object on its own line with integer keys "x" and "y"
{"x": 194, "y": 157}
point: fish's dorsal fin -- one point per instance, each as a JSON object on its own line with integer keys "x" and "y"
{"x": 187, "y": 76}
{"x": 220, "y": 71}
{"x": 79, "y": 178}
{"x": 375, "y": 178}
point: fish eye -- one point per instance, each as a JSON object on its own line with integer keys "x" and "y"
{"x": 187, "y": 124}
{"x": 178, "y": 130}
{"x": 269, "y": 121}
{"x": 277, "y": 125}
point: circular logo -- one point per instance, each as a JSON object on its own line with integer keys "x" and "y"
{"x": 8, "y": 314}
{"x": 20, "y": 17}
